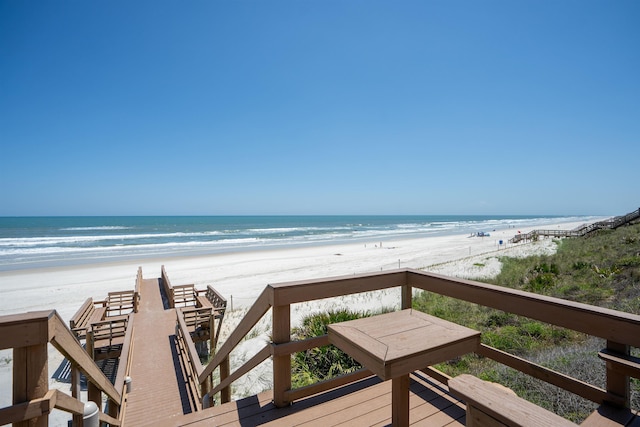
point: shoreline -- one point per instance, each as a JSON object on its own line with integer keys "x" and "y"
{"x": 101, "y": 242}
{"x": 241, "y": 276}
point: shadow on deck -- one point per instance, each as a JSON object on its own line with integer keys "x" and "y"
{"x": 363, "y": 403}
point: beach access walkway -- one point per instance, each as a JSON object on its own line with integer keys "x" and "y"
{"x": 156, "y": 394}
{"x": 609, "y": 224}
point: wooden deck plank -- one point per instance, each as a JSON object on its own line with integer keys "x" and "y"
{"x": 365, "y": 403}
{"x": 158, "y": 388}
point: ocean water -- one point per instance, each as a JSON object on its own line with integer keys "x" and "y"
{"x": 31, "y": 242}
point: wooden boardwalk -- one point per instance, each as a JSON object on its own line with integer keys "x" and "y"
{"x": 159, "y": 392}
{"x": 609, "y": 224}
{"x": 365, "y": 403}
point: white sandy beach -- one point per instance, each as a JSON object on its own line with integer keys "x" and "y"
{"x": 241, "y": 276}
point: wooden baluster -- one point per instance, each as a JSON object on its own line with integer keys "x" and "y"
{"x": 225, "y": 371}
{"x": 407, "y": 291}
{"x": 212, "y": 333}
{"x": 281, "y": 364}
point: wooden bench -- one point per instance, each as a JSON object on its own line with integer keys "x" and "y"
{"x": 121, "y": 303}
{"x": 218, "y": 304}
{"x": 87, "y": 314}
{"x": 198, "y": 321}
{"x": 203, "y": 302}
{"x": 184, "y": 295}
{"x": 103, "y": 335}
{"x": 213, "y": 299}
{"x": 490, "y": 404}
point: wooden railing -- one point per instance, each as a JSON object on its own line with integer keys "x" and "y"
{"x": 29, "y": 335}
{"x": 166, "y": 285}
{"x": 178, "y": 295}
{"x": 620, "y": 330}
{"x": 190, "y": 361}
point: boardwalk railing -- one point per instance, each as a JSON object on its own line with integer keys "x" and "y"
{"x": 190, "y": 360}
{"x": 29, "y": 335}
{"x": 611, "y": 223}
{"x": 178, "y": 295}
{"x": 620, "y": 330}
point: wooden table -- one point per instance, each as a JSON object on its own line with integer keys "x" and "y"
{"x": 393, "y": 345}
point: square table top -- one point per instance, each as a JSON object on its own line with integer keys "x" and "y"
{"x": 401, "y": 342}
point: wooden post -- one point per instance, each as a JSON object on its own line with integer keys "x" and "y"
{"x": 281, "y": 364}
{"x": 400, "y": 401}
{"x": 225, "y": 371}
{"x": 30, "y": 379}
{"x": 114, "y": 409}
{"x": 619, "y": 384}
{"x": 88, "y": 341}
{"x": 94, "y": 394}
{"x": 206, "y": 386}
{"x": 407, "y": 291}
{"x": 212, "y": 333}
{"x": 75, "y": 391}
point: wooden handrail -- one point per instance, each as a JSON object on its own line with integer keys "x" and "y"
{"x": 258, "y": 358}
{"x": 125, "y": 356}
{"x": 166, "y": 284}
{"x": 64, "y": 341}
{"x": 193, "y": 365}
{"x": 32, "y": 332}
{"x": 612, "y": 325}
{"x": 580, "y": 388}
{"x": 194, "y": 359}
{"x": 311, "y": 290}
{"x": 595, "y": 321}
{"x": 253, "y": 316}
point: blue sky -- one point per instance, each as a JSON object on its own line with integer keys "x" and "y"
{"x": 319, "y": 107}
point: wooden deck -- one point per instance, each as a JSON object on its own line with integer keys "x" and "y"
{"x": 159, "y": 392}
{"x": 161, "y": 396}
{"x": 365, "y": 403}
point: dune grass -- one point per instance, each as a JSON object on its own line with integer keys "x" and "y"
{"x": 602, "y": 269}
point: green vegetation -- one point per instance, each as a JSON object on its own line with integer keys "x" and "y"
{"x": 602, "y": 269}
{"x": 321, "y": 363}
